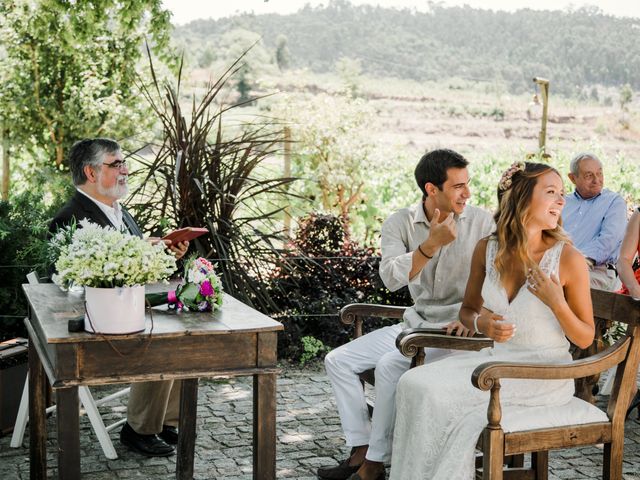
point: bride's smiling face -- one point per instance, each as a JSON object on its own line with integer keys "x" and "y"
{"x": 547, "y": 201}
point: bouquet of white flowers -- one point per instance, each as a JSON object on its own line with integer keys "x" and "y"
{"x": 103, "y": 257}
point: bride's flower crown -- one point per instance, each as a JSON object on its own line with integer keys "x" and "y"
{"x": 506, "y": 179}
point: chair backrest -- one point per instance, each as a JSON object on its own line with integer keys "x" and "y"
{"x": 32, "y": 278}
{"x": 625, "y": 353}
{"x": 611, "y": 307}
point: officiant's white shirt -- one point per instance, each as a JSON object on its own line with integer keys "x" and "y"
{"x": 114, "y": 214}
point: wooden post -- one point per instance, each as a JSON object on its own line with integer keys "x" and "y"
{"x": 544, "y": 90}
{"x": 5, "y": 162}
{"x": 37, "y": 424}
{"x": 68, "y": 433}
{"x": 493, "y": 437}
{"x": 287, "y": 174}
{"x": 187, "y": 428}
{"x": 264, "y": 426}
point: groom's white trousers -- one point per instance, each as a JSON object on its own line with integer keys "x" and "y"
{"x": 374, "y": 350}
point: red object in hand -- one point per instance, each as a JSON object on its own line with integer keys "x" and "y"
{"x": 184, "y": 234}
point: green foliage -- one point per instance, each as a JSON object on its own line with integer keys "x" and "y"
{"x": 626, "y": 95}
{"x": 69, "y": 70}
{"x": 617, "y": 331}
{"x": 497, "y": 113}
{"x": 621, "y": 175}
{"x": 323, "y": 271}
{"x": 349, "y": 71}
{"x": 580, "y": 47}
{"x": 23, "y": 248}
{"x": 283, "y": 56}
{"x": 311, "y": 348}
{"x": 205, "y": 174}
{"x": 342, "y": 170}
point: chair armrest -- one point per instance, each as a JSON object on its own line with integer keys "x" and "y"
{"x": 411, "y": 340}
{"x": 349, "y": 312}
{"x": 486, "y": 375}
{"x": 354, "y": 313}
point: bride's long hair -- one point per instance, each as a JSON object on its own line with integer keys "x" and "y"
{"x": 514, "y": 200}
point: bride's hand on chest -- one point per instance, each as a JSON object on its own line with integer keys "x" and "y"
{"x": 547, "y": 288}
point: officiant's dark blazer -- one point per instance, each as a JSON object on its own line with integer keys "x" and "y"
{"x": 81, "y": 207}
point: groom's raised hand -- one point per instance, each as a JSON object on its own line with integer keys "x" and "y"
{"x": 442, "y": 232}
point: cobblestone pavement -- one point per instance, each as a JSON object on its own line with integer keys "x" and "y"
{"x": 309, "y": 435}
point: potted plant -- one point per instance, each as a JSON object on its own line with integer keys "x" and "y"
{"x": 113, "y": 267}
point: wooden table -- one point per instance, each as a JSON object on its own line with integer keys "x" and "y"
{"x": 235, "y": 341}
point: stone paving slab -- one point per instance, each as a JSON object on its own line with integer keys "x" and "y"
{"x": 308, "y": 429}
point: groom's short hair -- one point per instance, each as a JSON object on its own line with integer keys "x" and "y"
{"x": 433, "y": 166}
{"x": 89, "y": 151}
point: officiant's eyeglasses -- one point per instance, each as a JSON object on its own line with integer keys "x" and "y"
{"x": 118, "y": 164}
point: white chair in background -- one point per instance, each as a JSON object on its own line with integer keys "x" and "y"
{"x": 90, "y": 407}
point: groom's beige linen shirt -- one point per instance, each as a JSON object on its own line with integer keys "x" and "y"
{"x": 437, "y": 291}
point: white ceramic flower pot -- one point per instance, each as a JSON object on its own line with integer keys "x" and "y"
{"x": 116, "y": 310}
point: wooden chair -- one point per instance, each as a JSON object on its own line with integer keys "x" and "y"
{"x": 357, "y": 313}
{"x": 411, "y": 343}
{"x": 496, "y": 443}
{"x": 89, "y": 404}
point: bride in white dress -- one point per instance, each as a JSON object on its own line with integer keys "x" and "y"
{"x": 529, "y": 291}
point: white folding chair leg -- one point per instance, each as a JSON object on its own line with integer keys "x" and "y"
{"x": 113, "y": 396}
{"x": 608, "y": 383}
{"x": 96, "y": 421}
{"x": 22, "y": 417}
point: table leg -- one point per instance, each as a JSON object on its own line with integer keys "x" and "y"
{"x": 37, "y": 423}
{"x": 264, "y": 426}
{"x": 187, "y": 429}
{"x": 68, "y": 433}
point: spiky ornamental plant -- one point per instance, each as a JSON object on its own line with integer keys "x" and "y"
{"x": 202, "y": 176}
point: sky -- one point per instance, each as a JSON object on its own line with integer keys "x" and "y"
{"x": 185, "y": 11}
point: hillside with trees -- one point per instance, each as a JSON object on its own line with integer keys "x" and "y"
{"x": 578, "y": 49}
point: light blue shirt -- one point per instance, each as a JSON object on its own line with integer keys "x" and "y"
{"x": 596, "y": 225}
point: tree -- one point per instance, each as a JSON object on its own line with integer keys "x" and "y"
{"x": 349, "y": 70}
{"x": 626, "y": 95}
{"x": 69, "y": 70}
{"x": 283, "y": 57}
{"x": 240, "y": 43}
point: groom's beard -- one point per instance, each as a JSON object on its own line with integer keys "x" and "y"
{"x": 117, "y": 191}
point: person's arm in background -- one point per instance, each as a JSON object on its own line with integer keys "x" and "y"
{"x": 628, "y": 252}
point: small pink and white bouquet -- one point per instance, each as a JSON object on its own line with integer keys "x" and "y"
{"x": 201, "y": 290}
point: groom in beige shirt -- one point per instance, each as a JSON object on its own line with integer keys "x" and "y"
{"x": 426, "y": 247}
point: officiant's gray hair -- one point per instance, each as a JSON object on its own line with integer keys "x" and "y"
{"x": 89, "y": 151}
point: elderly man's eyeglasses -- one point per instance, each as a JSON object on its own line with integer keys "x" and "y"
{"x": 118, "y": 164}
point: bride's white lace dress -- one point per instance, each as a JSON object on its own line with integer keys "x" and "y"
{"x": 440, "y": 414}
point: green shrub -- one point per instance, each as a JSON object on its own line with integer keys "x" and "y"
{"x": 324, "y": 271}
{"x": 311, "y": 348}
{"x": 23, "y": 247}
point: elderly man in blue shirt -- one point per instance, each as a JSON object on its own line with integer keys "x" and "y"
{"x": 595, "y": 218}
